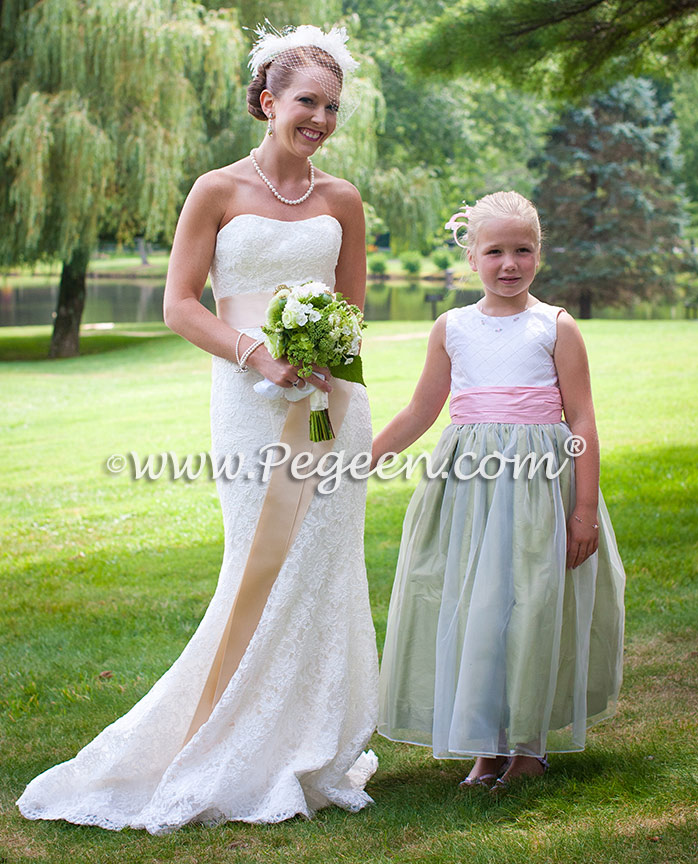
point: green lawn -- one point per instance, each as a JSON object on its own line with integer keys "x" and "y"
{"x": 103, "y": 573}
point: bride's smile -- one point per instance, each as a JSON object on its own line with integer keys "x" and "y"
{"x": 303, "y": 117}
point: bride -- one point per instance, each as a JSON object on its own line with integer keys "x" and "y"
{"x": 267, "y": 711}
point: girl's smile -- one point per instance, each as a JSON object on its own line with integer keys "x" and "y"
{"x": 506, "y": 257}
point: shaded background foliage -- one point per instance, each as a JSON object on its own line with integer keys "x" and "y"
{"x": 613, "y": 213}
{"x": 110, "y": 109}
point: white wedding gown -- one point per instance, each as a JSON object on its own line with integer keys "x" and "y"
{"x": 287, "y": 735}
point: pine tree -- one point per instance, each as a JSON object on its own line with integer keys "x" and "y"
{"x": 611, "y": 214}
{"x": 104, "y": 107}
{"x": 572, "y": 45}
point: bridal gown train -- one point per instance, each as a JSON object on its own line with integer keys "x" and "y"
{"x": 287, "y": 734}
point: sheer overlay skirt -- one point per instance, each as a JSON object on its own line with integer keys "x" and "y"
{"x": 493, "y": 646}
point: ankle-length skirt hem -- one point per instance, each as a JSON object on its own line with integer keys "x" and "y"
{"x": 493, "y": 646}
{"x": 287, "y": 735}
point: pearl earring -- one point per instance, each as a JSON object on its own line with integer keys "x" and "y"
{"x": 270, "y": 128}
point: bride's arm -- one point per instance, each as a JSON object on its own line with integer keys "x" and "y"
{"x": 192, "y": 251}
{"x": 350, "y": 273}
{"x": 190, "y": 260}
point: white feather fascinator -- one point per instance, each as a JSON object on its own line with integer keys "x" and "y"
{"x": 271, "y": 42}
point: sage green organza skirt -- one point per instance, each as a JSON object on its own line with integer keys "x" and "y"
{"x": 493, "y": 646}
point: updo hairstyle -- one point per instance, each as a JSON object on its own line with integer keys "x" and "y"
{"x": 277, "y": 74}
{"x": 501, "y": 205}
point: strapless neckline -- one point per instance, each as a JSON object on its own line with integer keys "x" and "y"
{"x": 256, "y": 253}
{"x": 281, "y": 221}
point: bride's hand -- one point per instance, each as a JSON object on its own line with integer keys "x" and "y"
{"x": 283, "y": 373}
{"x": 319, "y": 382}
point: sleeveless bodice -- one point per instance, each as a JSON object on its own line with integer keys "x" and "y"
{"x": 511, "y": 351}
{"x": 255, "y": 254}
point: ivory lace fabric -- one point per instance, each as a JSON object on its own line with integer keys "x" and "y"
{"x": 288, "y": 734}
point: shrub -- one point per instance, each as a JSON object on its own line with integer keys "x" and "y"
{"x": 411, "y": 262}
{"x": 442, "y": 259}
{"x": 377, "y": 264}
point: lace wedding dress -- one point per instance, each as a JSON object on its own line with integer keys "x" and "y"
{"x": 287, "y": 734}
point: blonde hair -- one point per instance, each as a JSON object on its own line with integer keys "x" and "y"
{"x": 501, "y": 205}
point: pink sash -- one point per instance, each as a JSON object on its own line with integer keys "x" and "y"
{"x": 506, "y": 405}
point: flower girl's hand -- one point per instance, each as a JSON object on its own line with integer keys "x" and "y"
{"x": 582, "y": 537}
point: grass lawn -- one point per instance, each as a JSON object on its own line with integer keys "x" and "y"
{"x": 102, "y": 573}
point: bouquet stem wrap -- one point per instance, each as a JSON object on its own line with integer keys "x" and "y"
{"x": 320, "y": 425}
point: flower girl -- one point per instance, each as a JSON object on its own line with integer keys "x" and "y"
{"x": 505, "y": 630}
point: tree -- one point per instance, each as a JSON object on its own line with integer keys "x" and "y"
{"x": 441, "y": 141}
{"x": 409, "y": 200}
{"x": 685, "y": 98}
{"x": 611, "y": 214}
{"x": 574, "y": 45}
{"x": 103, "y": 113}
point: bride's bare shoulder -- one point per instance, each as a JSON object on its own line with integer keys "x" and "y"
{"x": 216, "y": 191}
{"x": 220, "y": 181}
{"x": 342, "y": 196}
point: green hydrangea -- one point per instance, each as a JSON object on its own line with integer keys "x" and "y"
{"x": 310, "y": 325}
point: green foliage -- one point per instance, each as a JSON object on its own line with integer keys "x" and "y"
{"x": 442, "y": 258}
{"x": 455, "y": 137}
{"x": 101, "y": 118}
{"x": 409, "y": 201}
{"x": 570, "y": 46}
{"x": 612, "y": 216}
{"x": 377, "y": 264}
{"x": 462, "y": 130}
{"x": 411, "y": 262}
{"x": 684, "y": 95}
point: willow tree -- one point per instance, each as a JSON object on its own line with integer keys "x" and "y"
{"x": 103, "y": 112}
{"x": 409, "y": 201}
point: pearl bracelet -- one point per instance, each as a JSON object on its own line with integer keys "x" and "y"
{"x": 237, "y": 354}
{"x": 593, "y": 524}
{"x": 246, "y": 354}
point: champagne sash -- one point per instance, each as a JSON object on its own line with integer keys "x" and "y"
{"x": 506, "y": 405}
{"x": 285, "y": 505}
{"x": 243, "y": 311}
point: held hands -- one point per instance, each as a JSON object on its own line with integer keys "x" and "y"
{"x": 582, "y": 537}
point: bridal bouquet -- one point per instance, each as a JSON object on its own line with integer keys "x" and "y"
{"x": 309, "y": 324}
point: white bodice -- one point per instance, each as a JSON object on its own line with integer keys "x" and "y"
{"x": 511, "y": 351}
{"x": 255, "y": 253}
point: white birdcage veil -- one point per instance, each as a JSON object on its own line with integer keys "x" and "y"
{"x": 322, "y": 56}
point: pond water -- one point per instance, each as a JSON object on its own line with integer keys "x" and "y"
{"x": 141, "y": 301}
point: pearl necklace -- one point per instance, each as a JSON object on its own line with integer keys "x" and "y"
{"x": 273, "y": 189}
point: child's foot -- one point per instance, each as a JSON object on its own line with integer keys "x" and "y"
{"x": 485, "y": 771}
{"x": 521, "y": 767}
